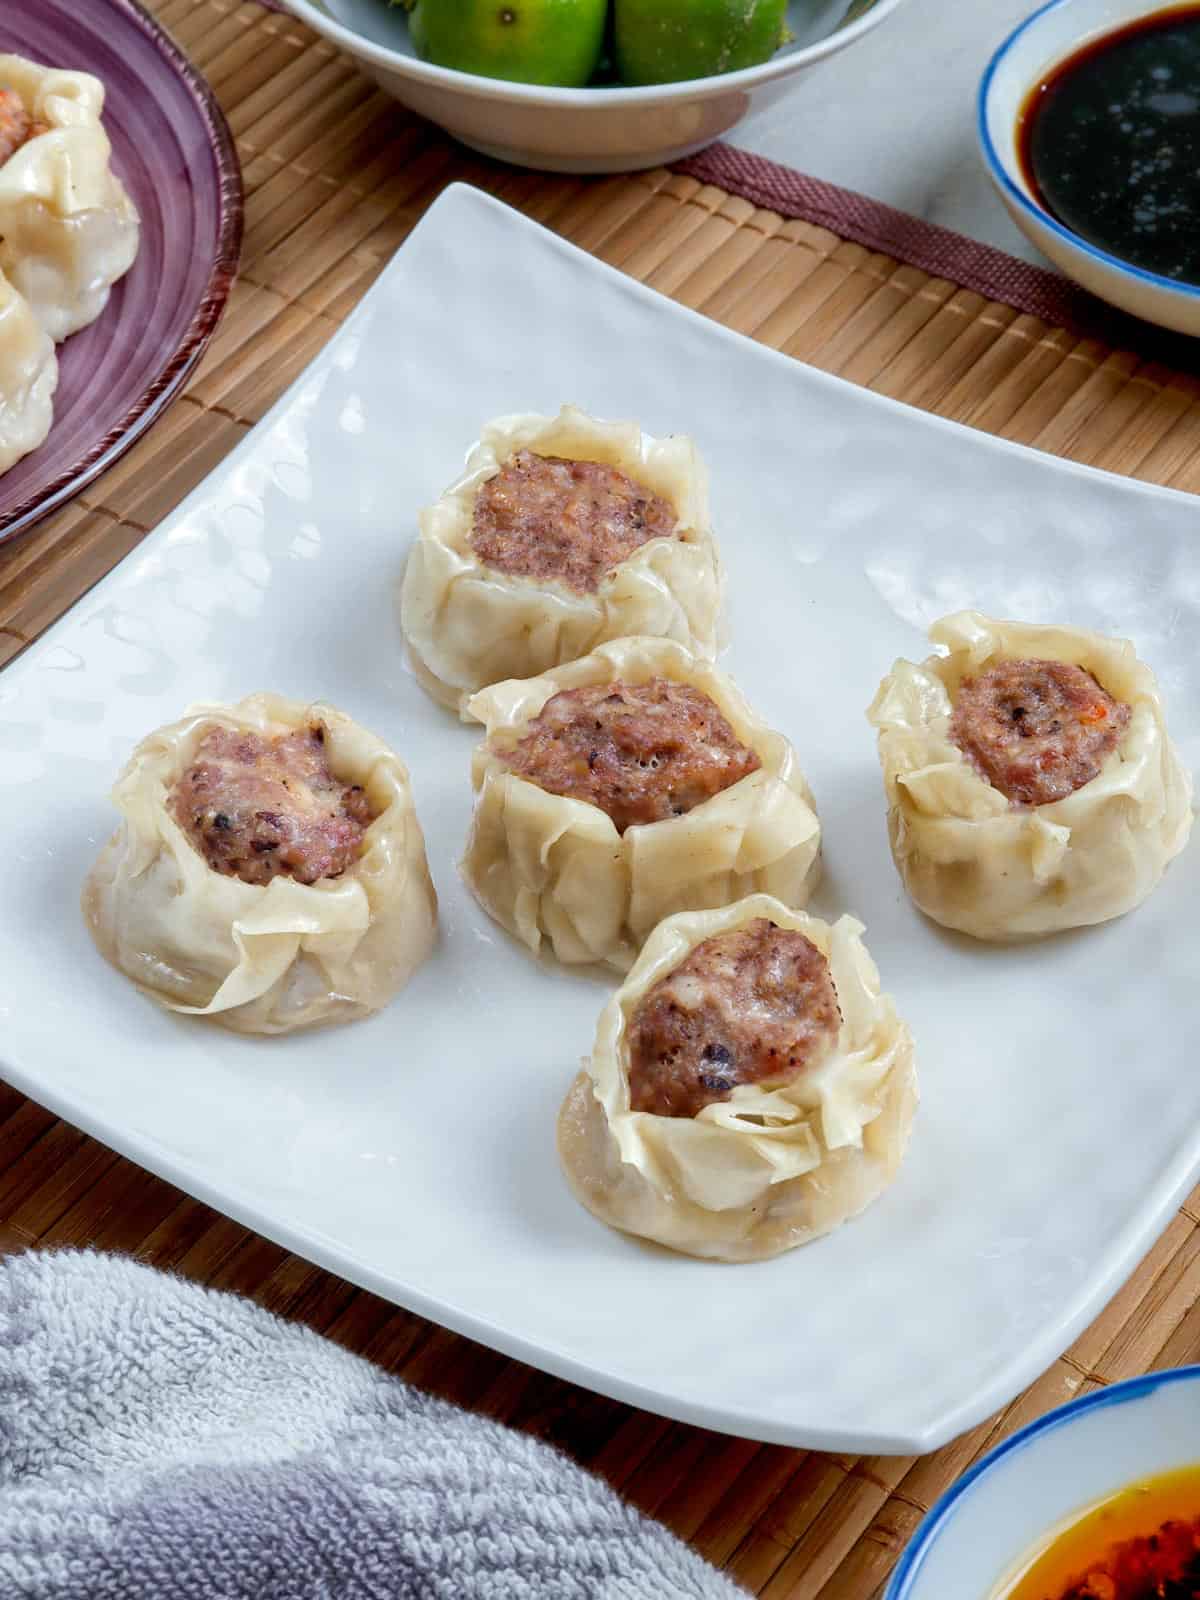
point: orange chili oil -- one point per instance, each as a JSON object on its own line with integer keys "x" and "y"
{"x": 1109, "y": 142}
{"x": 1142, "y": 1543}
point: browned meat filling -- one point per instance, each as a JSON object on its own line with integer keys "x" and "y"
{"x": 1037, "y": 730}
{"x": 17, "y": 127}
{"x": 258, "y": 807}
{"x": 641, "y": 752}
{"x": 753, "y": 1006}
{"x": 571, "y": 521}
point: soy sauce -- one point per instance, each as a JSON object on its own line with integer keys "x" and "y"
{"x": 1109, "y": 141}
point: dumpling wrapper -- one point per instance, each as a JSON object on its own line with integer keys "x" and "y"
{"x": 767, "y": 1169}
{"x": 554, "y": 870}
{"x": 262, "y": 958}
{"x": 468, "y": 625}
{"x": 68, "y": 230}
{"x": 28, "y": 378}
{"x": 973, "y": 861}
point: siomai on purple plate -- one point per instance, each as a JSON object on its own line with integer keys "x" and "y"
{"x": 173, "y": 150}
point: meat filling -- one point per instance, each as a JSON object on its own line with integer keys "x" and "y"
{"x": 257, "y": 807}
{"x": 549, "y": 518}
{"x": 756, "y": 1005}
{"x": 17, "y": 127}
{"x": 1037, "y": 730}
{"x": 641, "y": 752}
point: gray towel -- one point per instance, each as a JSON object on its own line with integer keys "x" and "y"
{"x": 164, "y": 1441}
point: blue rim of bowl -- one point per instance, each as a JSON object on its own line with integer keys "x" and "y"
{"x": 314, "y": 15}
{"x": 179, "y": 365}
{"x": 908, "y": 1569}
{"x": 1015, "y": 193}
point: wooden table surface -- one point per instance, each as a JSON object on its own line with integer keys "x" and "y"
{"x": 335, "y": 177}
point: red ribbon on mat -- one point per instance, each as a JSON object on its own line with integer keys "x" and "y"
{"x": 939, "y": 251}
{"x": 942, "y": 252}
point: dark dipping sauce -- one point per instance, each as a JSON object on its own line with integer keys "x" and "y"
{"x": 1109, "y": 142}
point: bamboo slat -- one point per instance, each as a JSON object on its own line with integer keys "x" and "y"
{"x": 336, "y": 176}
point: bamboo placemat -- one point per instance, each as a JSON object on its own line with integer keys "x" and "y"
{"x": 336, "y": 175}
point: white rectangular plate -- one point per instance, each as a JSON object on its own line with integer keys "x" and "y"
{"x": 415, "y": 1153}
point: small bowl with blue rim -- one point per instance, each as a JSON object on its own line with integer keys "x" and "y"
{"x": 985, "y": 1532}
{"x": 1118, "y": 189}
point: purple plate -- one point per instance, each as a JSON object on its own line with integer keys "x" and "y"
{"x": 173, "y": 151}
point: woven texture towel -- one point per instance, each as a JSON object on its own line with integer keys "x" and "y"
{"x": 164, "y": 1441}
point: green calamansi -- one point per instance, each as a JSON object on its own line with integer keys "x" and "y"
{"x": 665, "y": 41}
{"x": 526, "y": 41}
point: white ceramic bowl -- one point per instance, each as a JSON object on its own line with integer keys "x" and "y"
{"x": 983, "y": 1528}
{"x": 1043, "y": 40}
{"x": 608, "y": 129}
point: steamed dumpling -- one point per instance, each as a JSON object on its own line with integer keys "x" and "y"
{"x": 1031, "y": 783}
{"x": 622, "y": 787}
{"x": 68, "y": 230}
{"x": 28, "y": 378}
{"x": 562, "y": 533}
{"x": 269, "y": 870}
{"x": 749, "y": 1088}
